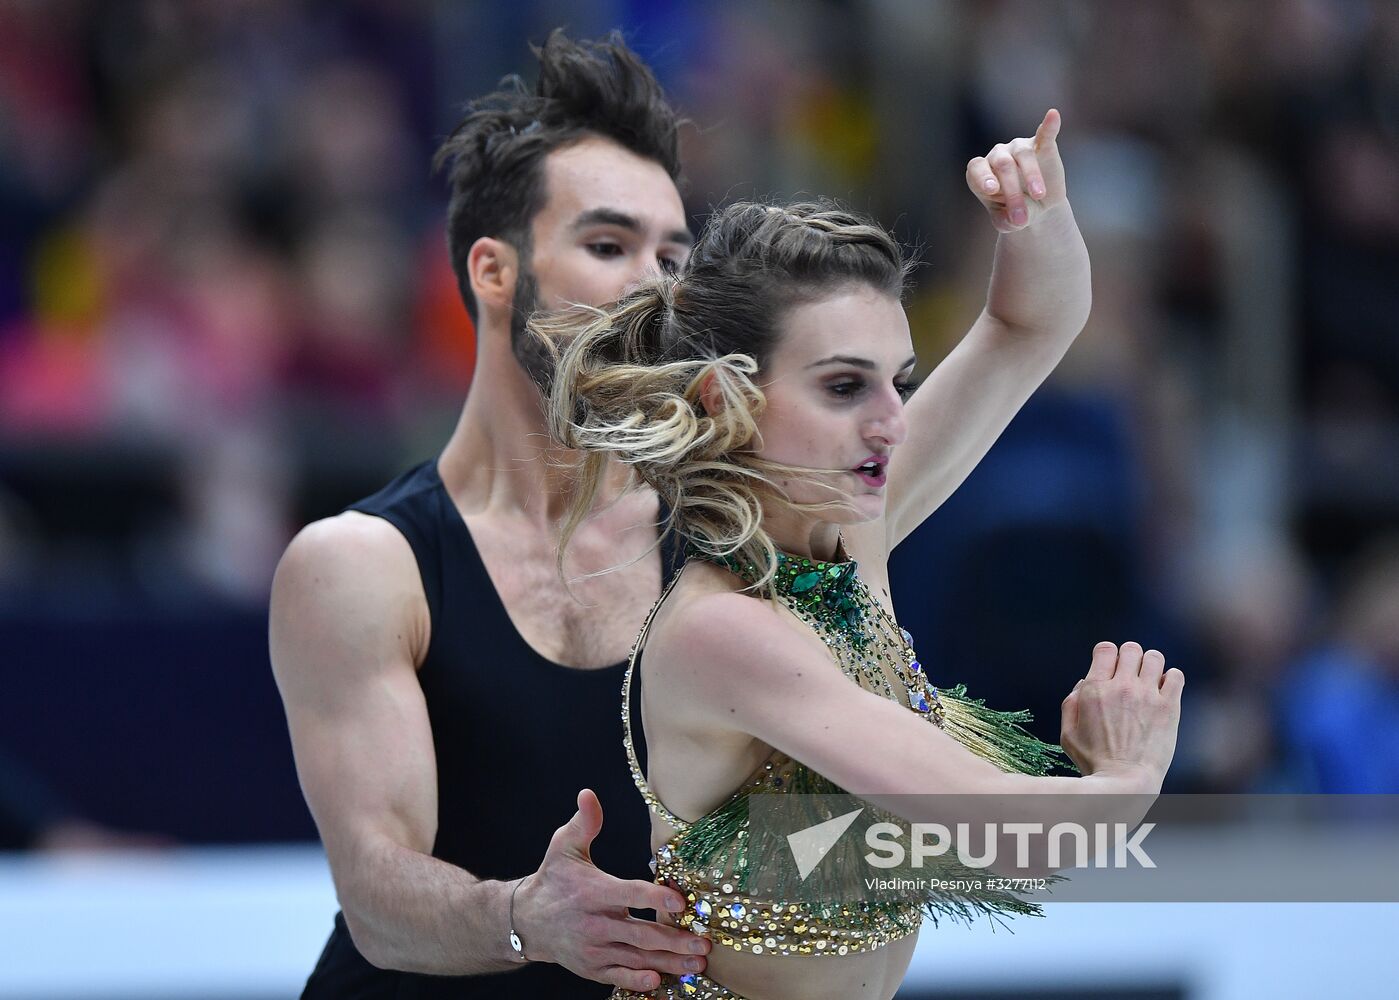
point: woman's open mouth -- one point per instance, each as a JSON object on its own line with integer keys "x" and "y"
{"x": 872, "y": 471}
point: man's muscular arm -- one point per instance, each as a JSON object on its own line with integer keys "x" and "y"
{"x": 349, "y": 623}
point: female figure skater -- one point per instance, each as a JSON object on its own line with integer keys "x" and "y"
{"x": 764, "y": 392}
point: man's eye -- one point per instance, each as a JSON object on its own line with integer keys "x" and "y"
{"x": 670, "y": 265}
{"x": 605, "y": 249}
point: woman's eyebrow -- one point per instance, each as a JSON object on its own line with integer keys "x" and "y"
{"x": 854, "y": 362}
{"x": 845, "y": 359}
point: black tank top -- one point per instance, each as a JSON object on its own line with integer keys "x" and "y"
{"x": 516, "y": 737}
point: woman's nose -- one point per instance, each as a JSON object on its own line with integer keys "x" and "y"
{"x": 889, "y": 427}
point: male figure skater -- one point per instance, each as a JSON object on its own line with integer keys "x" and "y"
{"x": 447, "y": 697}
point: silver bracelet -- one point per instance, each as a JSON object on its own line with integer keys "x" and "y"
{"x": 515, "y": 943}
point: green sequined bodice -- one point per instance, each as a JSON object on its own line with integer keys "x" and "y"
{"x": 833, "y": 600}
{"x": 709, "y": 860}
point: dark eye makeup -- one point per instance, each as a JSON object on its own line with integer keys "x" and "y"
{"x": 849, "y": 388}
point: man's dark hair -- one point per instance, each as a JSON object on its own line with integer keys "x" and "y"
{"x": 494, "y": 158}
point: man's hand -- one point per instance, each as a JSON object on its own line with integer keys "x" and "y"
{"x": 571, "y": 913}
{"x": 1011, "y": 170}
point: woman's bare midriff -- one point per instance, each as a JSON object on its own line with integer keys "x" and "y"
{"x": 873, "y": 975}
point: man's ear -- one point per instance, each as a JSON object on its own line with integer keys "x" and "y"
{"x": 493, "y": 265}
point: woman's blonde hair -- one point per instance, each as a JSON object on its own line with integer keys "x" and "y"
{"x": 627, "y": 380}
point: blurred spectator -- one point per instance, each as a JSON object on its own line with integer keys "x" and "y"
{"x": 1255, "y": 607}
{"x": 1339, "y": 705}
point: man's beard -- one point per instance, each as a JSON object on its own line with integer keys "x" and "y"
{"x": 531, "y": 352}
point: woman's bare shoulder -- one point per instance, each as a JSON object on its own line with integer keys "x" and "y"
{"x": 710, "y": 634}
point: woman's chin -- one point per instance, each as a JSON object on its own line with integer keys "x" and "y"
{"x": 849, "y": 507}
{"x": 871, "y": 506}
{"x": 862, "y": 508}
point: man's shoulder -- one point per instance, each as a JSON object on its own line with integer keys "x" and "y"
{"x": 352, "y": 559}
{"x": 347, "y": 540}
{"x": 347, "y": 584}
{"x": 375, "y": 531}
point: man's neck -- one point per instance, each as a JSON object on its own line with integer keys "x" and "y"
{"x": 499, "y": 459}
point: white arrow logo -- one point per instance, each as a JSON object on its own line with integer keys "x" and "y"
{"x": 809, "y": 846}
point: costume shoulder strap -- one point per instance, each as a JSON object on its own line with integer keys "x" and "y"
{"x": 638, "y": 777}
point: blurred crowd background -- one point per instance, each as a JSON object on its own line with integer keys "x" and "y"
{"x": 226, "y": 310}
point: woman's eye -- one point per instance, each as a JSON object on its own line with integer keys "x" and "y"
{"x": 845, "y": 389}
{"x": 605, "y": 249}
{"x": 906, "y": 389}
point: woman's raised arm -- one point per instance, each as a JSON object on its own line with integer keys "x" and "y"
{"x": 1039, "y": 299}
